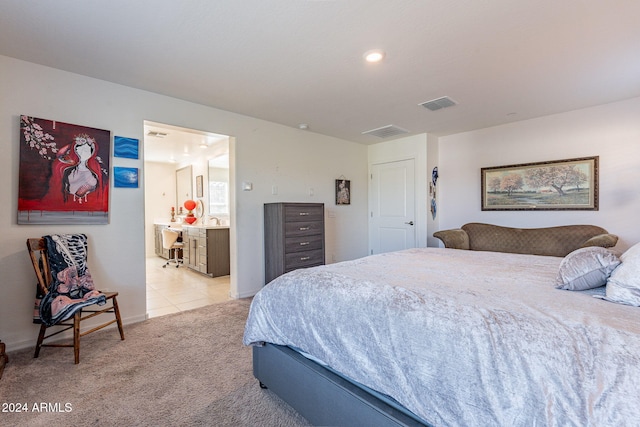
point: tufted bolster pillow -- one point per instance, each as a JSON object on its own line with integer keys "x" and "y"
{"x": 603, "y": 240}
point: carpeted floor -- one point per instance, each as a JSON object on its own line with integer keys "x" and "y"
{"x": 184, "y": 369}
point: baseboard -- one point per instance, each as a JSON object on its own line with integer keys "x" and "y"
{"x": 31, "y": 341}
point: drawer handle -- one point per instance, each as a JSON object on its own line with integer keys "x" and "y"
{"x": 304, "y": 228}
{"x": 304, "y": 243}
{"x": 304, "y": 213}
{"x": 305, "y": 258}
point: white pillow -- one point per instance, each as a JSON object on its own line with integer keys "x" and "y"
{"x": 623, "y": 285}
{"x": 586, "y": 268}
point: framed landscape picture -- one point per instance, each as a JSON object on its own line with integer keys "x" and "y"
{"x": 570, "y": 184}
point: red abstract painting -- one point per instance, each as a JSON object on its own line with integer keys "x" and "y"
{"x": 64, "y": 173}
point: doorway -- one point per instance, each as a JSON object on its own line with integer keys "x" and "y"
{"x": 183, "y": 164}
{"x": 393, "y": 212}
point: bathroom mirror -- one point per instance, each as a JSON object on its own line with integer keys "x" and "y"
{"x": 184, "y": 189}
{"x": 219, "y": 186}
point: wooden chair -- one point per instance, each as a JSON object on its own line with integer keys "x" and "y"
{"x": 4, "y": 359}
{"x": 38, "y": 253}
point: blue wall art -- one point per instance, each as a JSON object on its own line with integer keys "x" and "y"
{"x": 125, "y": 177}
{"x": 125, "y": 147}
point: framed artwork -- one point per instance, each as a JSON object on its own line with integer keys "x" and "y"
{"x": 125, "y": 147}
{"x": 343, "y": 192}
{"x": 199, "y": 190}
{"x": 125, "y": 177}
{"x": 63, "y": 173}
{"x": 570, "y": 184}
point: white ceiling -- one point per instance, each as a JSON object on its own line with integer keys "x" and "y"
{"x": 294, "y": 62}
{"x": 172, "y": 144}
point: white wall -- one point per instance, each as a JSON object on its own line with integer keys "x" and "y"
{"x": 159, "y": 197}
{"x": 610, "y": 131}
{"x": 411, "y": 147}
{"x": 433, "y": 159}
{"x": 264, "y": 153}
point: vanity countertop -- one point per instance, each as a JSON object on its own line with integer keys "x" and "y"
{"x": 184, "y": 225}
{"x": 207, "y": 226}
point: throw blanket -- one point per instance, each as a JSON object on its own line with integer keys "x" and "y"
{"x": 72, "y": 287}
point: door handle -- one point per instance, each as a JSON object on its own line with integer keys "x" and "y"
{"x": 409, "y": 223}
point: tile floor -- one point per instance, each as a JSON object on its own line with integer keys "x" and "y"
{"x": 171, "y": 289}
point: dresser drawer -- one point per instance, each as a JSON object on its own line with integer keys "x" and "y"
{"x": 303, "y": 259}
{"x": 296, "y": 213}
{"x": 303, "y": 228}
{"x": 303, "y": 243}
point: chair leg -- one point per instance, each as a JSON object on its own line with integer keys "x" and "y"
{"x": 116, "y": 310}
{"x": 76, "y": 336}
{"x": 43, "y": 329}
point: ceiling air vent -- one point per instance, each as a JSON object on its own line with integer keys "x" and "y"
{"x": 386, "y": 131}
{"x": 156, "y": 134}
{"x": 437, "y": 104}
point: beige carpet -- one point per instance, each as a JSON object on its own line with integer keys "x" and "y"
{"x": 184, "y": 369}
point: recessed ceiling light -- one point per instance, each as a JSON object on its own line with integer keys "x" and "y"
{"x": 303, "y": 126}
{"x": 375, "y": 55}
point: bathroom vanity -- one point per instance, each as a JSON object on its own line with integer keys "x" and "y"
{"x": 206, "y": 247}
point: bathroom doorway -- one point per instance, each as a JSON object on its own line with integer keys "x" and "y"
{"x": 183, "y": 164}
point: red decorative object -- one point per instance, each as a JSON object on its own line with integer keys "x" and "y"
{"x": 190, "y": 205}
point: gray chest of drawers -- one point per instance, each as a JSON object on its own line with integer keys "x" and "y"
{"x": 293, "y": 237}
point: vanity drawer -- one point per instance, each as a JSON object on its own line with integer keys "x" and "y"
{"x": 303, "y": 259}
{"x": 303, "y": 243}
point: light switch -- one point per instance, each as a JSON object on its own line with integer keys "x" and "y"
{"x": 247, "y": 186}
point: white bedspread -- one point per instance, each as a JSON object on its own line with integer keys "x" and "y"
{"x": 463, "y": 338}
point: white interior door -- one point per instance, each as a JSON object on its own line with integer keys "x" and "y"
{"x": 393, "y": 206}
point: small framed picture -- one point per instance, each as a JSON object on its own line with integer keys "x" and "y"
{"x": 125, "y": 177}
{"x": 343, "y": 192}
{"x": 125, "y": 147}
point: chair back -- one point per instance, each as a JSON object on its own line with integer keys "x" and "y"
{"x": 169, "y": 237}
{"x": 38, "y": 254}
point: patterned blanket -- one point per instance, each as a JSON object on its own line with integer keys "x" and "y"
{"x": 72, "y": 287}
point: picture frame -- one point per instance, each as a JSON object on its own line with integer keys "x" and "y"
{"x": 125, "y": 147}
{"x": 125, "y": 177}
{"x": 63, "y": 173}
{"x": 343, "y": 191}
{"x": 569, "y": 184}
{"x": 199, "y": 186}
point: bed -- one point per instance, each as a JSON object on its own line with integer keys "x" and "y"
{"x": 439, "y": 337}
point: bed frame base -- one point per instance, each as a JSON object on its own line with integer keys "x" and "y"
{"x": 321, "y": 396}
